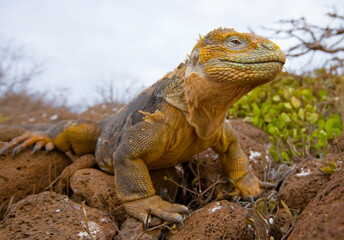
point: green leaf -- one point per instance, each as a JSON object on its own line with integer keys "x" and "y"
{"x": 285, "y": 117}
{"x": 256, "y": 110}
{"x": 274, "y": 153}
{"x": 288, "y": 105}
{"x": 276, "y": 98}
{"x": 323, "y": 94}
{"x": 285, "y": 156}
{"x": 330, "y": 169}
{"x": 272, "y": 204}
{"x": 321, "y": 124}
{"x": 313, "y": 118}
{"x": 295, "y": 102}
{"x": 301, "y": 114}
{"x": 290, "y": 215}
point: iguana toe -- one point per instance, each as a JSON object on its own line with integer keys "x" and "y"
{"x": 248, "y": 186}
{"x": 158, "y": 207}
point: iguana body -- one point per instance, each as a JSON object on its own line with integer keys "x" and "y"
{"x": 181, "y": 115}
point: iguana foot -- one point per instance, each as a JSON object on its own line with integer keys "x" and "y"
{"x": 248, "y": 185}
{"x": 156, "y": 206}
{"x": 40, "y": 139}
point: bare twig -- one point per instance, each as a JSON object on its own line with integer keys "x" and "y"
{"x": 313, "y": 38}
{"x": 86, "y": 228}
{"x": 335, "y": 141}
{"x": 9, "y": 207}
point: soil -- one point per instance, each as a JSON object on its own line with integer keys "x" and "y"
{"x": 28, "y": 212}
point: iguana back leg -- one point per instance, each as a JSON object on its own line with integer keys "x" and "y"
{"x": 78, "y": 136}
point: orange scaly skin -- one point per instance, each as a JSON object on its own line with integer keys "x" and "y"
{"x": 179, "y": 116}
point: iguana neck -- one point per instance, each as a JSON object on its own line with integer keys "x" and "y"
{"x": 208, "y": 103}
{"x": 204, "y": 103}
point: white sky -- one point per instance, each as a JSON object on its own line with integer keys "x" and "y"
{"x": 85, "y": 42}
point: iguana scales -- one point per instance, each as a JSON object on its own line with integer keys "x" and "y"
{"x": 180, "y": 115}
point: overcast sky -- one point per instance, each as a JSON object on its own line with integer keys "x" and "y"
{"x": 84, "y": 42}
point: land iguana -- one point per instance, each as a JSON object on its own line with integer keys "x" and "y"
{"x": 181, "y": 115}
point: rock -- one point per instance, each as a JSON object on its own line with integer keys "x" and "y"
{"x": 98, "y": 189}
{"x": 303, "y": 186}
{"x": 281, "y": 224}
{"x": 323, "y": 218}
{"x": 52, "y": 216}
{"x": 166, "y": 189}
{"x": 216, "y": 220}
{"x": 259, "y": 157}
{"x": 8, "y": 133}
{"x": 341, "y": 142}
{"x": 39, "y": 116}
{"x": 28, "y": 174}
{"x": 133, "y": 229}
{"x": 250, "y": 130}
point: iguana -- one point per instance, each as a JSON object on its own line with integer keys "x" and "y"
{"x": 181, "y": 115}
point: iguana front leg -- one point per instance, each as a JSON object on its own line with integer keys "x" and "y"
{"x": 235, "y": 163}
{"x": 143, "y": 143}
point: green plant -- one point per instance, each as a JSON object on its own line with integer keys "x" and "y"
{"x": 299, "y": 114}
{"x": 2, "y": 118}
{"x": 330, "y": 169}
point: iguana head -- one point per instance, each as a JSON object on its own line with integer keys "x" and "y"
{"x": 223, "y": 66}
{"x": 228, "y": 57}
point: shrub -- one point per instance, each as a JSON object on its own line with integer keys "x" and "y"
{"x": 299, "y": 113}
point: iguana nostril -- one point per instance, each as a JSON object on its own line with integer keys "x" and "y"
{"x": 269, "y": 45}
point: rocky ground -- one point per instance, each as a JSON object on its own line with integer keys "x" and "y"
{"x": 31, "y": 209}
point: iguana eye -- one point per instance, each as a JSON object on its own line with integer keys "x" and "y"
{"x": 236, "y": 43}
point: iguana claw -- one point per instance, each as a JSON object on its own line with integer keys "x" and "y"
{"x": 40, "y": 139}
{"x": 158, "y": 207}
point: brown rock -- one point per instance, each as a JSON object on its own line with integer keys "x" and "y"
{"x": 250, "y": 130}
{"x": 211, "y": 170}
{"x": 98, "y": 189}
{"x": 217, "y": 220}
{"x": 133, "y": 229}
{"x": 281, "y": 224}
{"x": 28, "y": 174}
{"x": 39, "y": 116}
{"x": 52, "y": 216}
{"x": 304, "y": 185}
{"x": 259, "y": 157}
{"x": 341, "y": 142}
{"x": 8, "y": 133}
{"x": 323, "y": 218}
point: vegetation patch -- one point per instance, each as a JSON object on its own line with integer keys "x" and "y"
{"x": 301, "y": 114}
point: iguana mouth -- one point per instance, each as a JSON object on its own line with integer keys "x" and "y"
{"x": 251, "y": 63}
{"x": 260, "y": 62}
